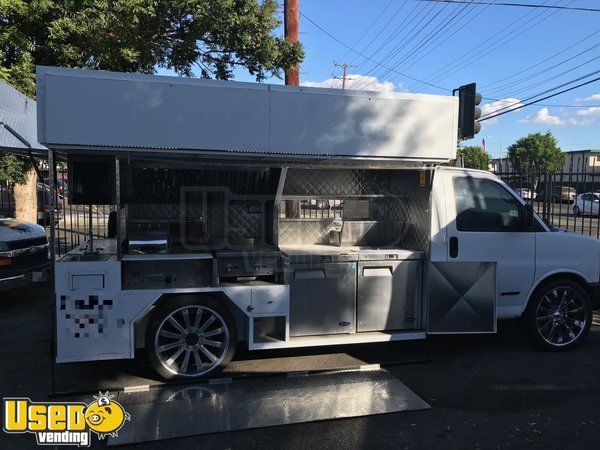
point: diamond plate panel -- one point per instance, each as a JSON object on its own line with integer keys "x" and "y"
{"x": 462, "y": 297}
{"x": 395, "y": 195}
{"x": 244, "y": 220}
{"x": 251, "y": 402}
{"x": 304, "y": 232}
{"x": 165, "y": 211}
{"x": 314, "y": 182}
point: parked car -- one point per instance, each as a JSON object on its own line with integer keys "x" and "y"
{"x": 587, "y": 204}
{"x": 524, "y": 193}
{"x": 562, "y": 194}
{"x": 23, "y": 254}
{"x": 43, "y": 206}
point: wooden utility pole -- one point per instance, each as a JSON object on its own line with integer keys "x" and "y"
{"x": 291, "y": 14}
{"x": 345, "y": 68}
{"x": 292, "y": 77}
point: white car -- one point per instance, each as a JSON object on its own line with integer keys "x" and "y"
{"x": 524, "y": 193}
{"x": 587, "y": 203}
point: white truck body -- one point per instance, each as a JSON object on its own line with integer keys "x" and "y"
{"x": 405, "y": 247}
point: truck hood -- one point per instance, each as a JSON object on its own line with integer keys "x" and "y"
{"x": 16, "y": 230}
{"x": 574, "y": 235}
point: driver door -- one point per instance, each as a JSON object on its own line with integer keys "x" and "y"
{"x": 489, "y": 225}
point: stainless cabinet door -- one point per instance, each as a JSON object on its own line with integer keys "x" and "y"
{"x": 389, "y": 294}
{"x": 323, "y": 299}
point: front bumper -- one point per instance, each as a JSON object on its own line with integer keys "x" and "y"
{"x": 23, "y": 277}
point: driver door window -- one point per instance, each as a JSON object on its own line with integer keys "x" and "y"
{"x": 486, "y": 206}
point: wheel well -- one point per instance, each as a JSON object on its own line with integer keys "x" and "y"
{"x": 566, "y": 276}
{"x": 238, "y": 317}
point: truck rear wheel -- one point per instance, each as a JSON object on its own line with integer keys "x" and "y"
{"x": 190, "y": 337}
{"x": 559, "y": 315}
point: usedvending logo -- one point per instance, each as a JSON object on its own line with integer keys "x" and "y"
{"x": 65, "y": 423}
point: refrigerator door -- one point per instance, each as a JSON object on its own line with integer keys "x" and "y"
{"x": 322, "y": 299}
{"x": 389, "y": 293}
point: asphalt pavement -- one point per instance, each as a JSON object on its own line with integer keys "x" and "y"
{"x": 486, "y": 391}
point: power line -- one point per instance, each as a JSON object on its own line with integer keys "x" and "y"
{"x": 482, "y": 45}
{"x": 426, "y": 41}
{"x": 543, "y": 92}
{"x": 537, "y": 64}
{"x": 469, "y": 58}
{"x": 520, "y": 5}
{"x": 443, "y": 38}
{"x": 570, "y": 106}
{"x": 540, "y": 100}
{"x": 411, "y": 36}
{"x": 370, "y": 26}
{"x": 408, "y": 20}
{"x": 553, "y": 77}
{"x": 387, "y": 24}
{"x": 369, "y": 58}
{"x": 522, "y": 103}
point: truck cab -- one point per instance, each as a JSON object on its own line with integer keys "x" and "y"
{"x": 541, "y": 272}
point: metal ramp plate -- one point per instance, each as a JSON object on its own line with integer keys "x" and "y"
{"x": 187, "y": 410}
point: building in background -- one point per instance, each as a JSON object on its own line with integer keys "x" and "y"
{"x": 584, "y": 161}
{"x": 576, "y": 162}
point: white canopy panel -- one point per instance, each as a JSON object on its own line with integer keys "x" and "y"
{"x": 106, "y": 110}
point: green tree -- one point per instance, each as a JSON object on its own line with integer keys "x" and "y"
{"x": 474, "y": 157}
{"x": 13, "y": 168}
{"x": 209, "y": 38}
{"x": 536, "y": 153}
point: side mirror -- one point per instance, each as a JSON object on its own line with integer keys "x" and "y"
{"x": 529, "y": 216}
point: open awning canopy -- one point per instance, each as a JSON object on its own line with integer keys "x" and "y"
{"x": 18, "y": 123}
{"x": 108, "y": 112}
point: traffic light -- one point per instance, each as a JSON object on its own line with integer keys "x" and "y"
{"x": 468, "y": 112}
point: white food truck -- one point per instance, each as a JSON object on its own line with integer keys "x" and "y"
{"x": 275, "y": 217}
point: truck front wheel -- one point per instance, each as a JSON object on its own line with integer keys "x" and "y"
{"x": 190, "y": 337}
{"x": 559, "y": 315}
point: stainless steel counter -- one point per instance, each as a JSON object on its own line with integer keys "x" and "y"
{"x": 362, "y": 253}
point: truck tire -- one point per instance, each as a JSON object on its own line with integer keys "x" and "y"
{"x": 576, "y": 210}
{"x": 559, "y": 315}
{"x": 190, "y": 337}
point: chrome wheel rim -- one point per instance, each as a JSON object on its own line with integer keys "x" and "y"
{"x": 561, "y": 316}
{"x": 191, "y": 341}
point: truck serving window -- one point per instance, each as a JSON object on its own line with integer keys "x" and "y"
{"x": 484, "y": 205}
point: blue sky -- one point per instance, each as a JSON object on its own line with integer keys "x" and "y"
{"x": 500, "y": 42}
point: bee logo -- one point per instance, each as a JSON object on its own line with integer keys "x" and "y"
{"x": 104, "y": 416}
